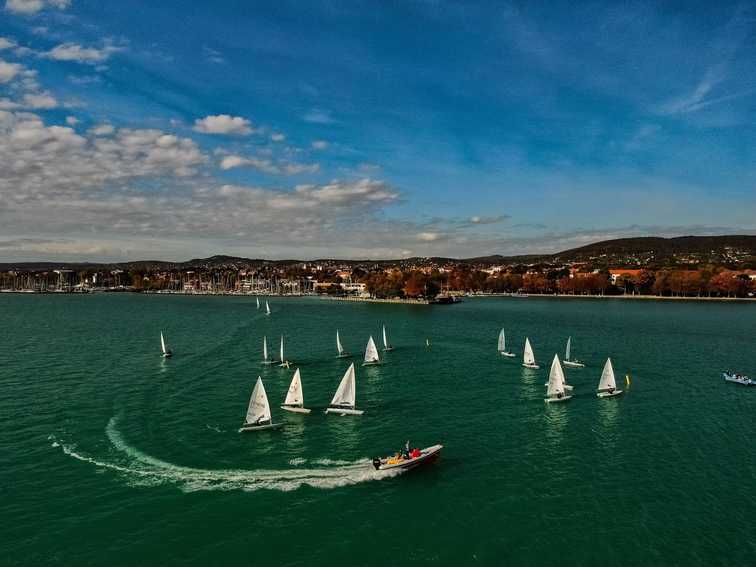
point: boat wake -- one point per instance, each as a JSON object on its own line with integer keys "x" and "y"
{"x": 141, "y": 469}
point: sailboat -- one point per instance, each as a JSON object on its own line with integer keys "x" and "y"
{"x": 371, "y": 353}
{"x": 267, "y": 308}
{"x": 555, "y": 388}
{"x": 386, "y": 345}
{"x": 607, "y": 387}
{"x": 265, "y": 359}
{"x": 165, "y": 350}
{"x": 340, "y": 348}
{"x": 282, "y": 362}
{"x": 258, "y": 411}
{"x": 528, "y": 360}
{"x": 567, "y": 361}
{"x": 343, "y": 401}
{"x": 294, "y": 397}
{"x": 503, "y": 345}
{"x": 257, "y": 299}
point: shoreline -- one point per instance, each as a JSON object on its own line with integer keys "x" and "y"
{"x": 377, "y": 300}
{"x": 637, "y": 297}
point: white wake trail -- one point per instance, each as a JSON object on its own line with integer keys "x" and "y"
{"x": 144, "y": 470}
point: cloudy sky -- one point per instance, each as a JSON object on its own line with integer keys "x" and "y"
{"x": 178, "y": 129}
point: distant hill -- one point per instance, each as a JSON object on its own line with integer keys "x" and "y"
{"x": 643, "y": 251}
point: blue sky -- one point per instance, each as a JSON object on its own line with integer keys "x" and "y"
{"x": 370, "y": 129}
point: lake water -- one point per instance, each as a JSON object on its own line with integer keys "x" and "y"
{"x": 112, "y": 455}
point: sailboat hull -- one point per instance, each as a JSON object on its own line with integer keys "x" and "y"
{"x": 268, "y": 362}
{"x": 344, "y": 355}
{"x": 269, "y": 426}
{"x": 296, "y": 409}
{"x": 573, "y": 364}
{"x": 167, "y": 355}
{"x": 531, "y": 366}
{"x": 557, "y": 400}
{"x": 285, "y": 364}
{"x": 375, "y": 363}
{"x": 508, "y": 354}
{"x": 344, "y": 411}
{"x": 387, "y": 349}
{"x": 609, "y": 394}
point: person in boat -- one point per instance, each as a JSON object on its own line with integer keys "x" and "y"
{"x": 611, "y": 390}
{"x": 415, "y": 453}
{"x": 559, "y": 394}
{"x": 406, "y": 451}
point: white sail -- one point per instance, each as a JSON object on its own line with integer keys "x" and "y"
{"x": 567, "y": 350}
{"x": 502, "y": 342}
{"x": 371, "y": 353}
{"x": 295, "y": 397}
{"x": 265, "y": 348}
{"x": 608, "y": 381}
{"x": 281, "y": 349}
{"x": 386, "y": 345}
{"x": 162, "y": 343}
{"x": 258, "y": 302}
{"x": 527, "y": 357}
{"x": 556, "y": 379}
{"x": 339, "y": 347}
{"x": 345, "y": 394}
{"x": 258, "y": 411}
{"x": 267, "y": 308}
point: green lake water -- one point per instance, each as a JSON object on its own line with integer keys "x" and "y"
{"x": 110, "y": 455}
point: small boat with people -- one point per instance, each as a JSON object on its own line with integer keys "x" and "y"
{"x": 569, "y": 361}
{"x": 258, "y": 412}
{"x": 294, "y": 401}
{"x": 555, "y": 389}
{"x": 282, "y": 362}
{"x": 386, "y": 344}
{"x": 166, "y": 352}
{"x": 503, "y": 346}
{"x": 266, "y": 359}
{"x": 407, "y": 458}
{"x": 267, "y": 308}
{"x": 738, "y": 378}
{"x": 528, "y": 358}
{"x": 607, "y": 387}
{"x": 343, "y": 402}
{"x": 371, "y": 354}
{"x": 340, "y": 348}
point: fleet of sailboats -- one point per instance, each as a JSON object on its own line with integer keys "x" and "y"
{"x": 503, "y": 345}
{"x": 258, "y": 411}
{"x": 167, "y": 353}
{"x": 340, "y": 348}
{"x": 607, "y": 387}
{"x": 294, "y": 401}
{"x": 569, "y": 361}
{"x": 371, "y": 353}
{"x": 343, "y": 402}
{"x": 555, "y": 390}
{"x": 386, "y": 345}
{"x": 528, "y": 359}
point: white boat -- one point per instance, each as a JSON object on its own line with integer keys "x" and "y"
{"x": 386, "y": 345}
{"x": 738, "y": 378}
{"x": 371, "y": 353}
{"x": 257, "y": 299}
{"x": 402, "y": 462}
{"x": 528, "y": 360}
{"x": 267, "y": 308}
{"x": 607, "y": 387}
{"x": 340, "y": 348}
{"x": 282, "y": 360}
{"x": 503, "y": 345}
{"x": 258, "y": 411}
{"x": 343, "y": 401}
{"x": 555, "y": 391}
{"x": 266, "y": 359}
{"x": 167, "y": 353}
{"x": 295, "y": 397}
{"x": 567, "y": 361}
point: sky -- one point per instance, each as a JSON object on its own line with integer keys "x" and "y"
{"x": 176, "y": 129}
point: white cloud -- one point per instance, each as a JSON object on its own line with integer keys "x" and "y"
{"x": 102, "y": 130}
{"x": 6, "y": 43}
{"x": 318, "y": 116}
{"x": 428, "y": 236}
{"x": 277, "y": 137}
{"x": 72, "y": 120}
{"x": 319, "y": 145}
{"x": 9, "y": 71}
{"x": 75, "y": 52}
{"x": 223, "y": 124}
{"x": 28, "y": 7}
{"x": 266, "y": 165}
{"x": 41, "y": 101}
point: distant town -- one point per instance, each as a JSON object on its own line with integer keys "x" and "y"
{"x": 716, "y": 267}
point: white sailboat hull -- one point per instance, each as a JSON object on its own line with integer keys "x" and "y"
{"x": 251, "y": 427}
{"x": 267, "y": 362}
{"x": 567, "y": 387}
{"x": 296, "y": 409}
{"x": 508, "y": 354}
{"x": 344, "y": 411}
{"x": 556, "y": 400}
{"x": 344, "y": 355}
{"x": 573, "y": 363}
{"x": 386, "y": 349}
{"x": 285, "y": 364}
{"x": 167, "y": 355}
{"x": 608, "y": 394}
{"x": 373, "y": 363}
{"x": 531, "y": 366}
